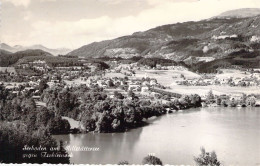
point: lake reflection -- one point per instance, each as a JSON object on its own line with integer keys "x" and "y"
{"x": 175, "y": 138}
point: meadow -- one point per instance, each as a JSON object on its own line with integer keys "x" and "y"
{"x": 8, "y": 69}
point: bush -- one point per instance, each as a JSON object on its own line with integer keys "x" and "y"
{"x": 152, "y": 160}
{"x": 59, "y": 126}
{"x": 123, "y": 163}
{"x": 206, "y": 158}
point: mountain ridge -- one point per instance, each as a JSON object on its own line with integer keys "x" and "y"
{"x": 16, "y": 48}
{"x": 241, "y": 13}
{"x": 210, "y": 42}
{"x": 8, "y": 58}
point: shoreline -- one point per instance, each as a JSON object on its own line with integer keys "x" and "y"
{"x": 144, "y": 122}
{"x": 204, "y": 105}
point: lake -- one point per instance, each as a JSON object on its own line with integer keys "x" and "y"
{"x": 234, "y": 133}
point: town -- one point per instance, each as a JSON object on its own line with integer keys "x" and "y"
{"x": 118, "y": 76}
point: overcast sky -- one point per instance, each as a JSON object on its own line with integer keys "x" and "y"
{"x": 73, "y": 23}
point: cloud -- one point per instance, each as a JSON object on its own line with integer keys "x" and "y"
{"x": 70, "y": 33}
{"x": 24, "y": 3}
{"x": 83, "y": 31}
{"x": 27, "y": 15}
{"x": 156, "y": 2}
{"x": 113, "y": 1}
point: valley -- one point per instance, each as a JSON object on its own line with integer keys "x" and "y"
{"x": 178, "y": 81}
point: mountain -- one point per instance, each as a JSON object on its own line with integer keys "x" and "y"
{"x": 7, "y": 58}
{"x": 171, "y": 41}
{"x": 16, "y": 48}
{"x": 4, "y": 52}
{"x": 207, "y": 38}
{"x": 59, "y": 51}
{"x": 6, "y": 47}
{"x": 208, "y": 41}
{"x": 241, "y": 13}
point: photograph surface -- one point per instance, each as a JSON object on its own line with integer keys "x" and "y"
{"x": 130, "y": 82}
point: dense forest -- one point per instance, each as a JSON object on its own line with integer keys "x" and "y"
{"x": 152, "y": 62}
{"x": 100, "y": 113}
{"x": 10, "y": 59}
{"x": 21, "y": 107}
{"x": 15, "y": 137}
{"x": 23, "y": 124}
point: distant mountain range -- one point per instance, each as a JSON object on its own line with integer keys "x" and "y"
{"x": 232, "y": 38}
{"x": 182, "y": 40}
{"x": 8, "y": 58}
{"x": 191, "y": 42}
{"x": 16, "y": 48}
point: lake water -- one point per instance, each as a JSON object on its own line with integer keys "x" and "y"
{"x": 234, "y": 133}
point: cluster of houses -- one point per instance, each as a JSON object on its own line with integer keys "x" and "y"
{"x": 128, "y": 69}
{"x": 253, "y": 80}
{"x": 233, "y": 100}
{"x": 160, "y": 67}
{"x": 38, "y": 65}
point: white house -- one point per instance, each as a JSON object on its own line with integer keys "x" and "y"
{"x": 133, "y": 87}
{"x": 145, "y": 89}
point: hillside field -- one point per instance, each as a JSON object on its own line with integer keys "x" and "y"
{"x": 8, "y": 69}
{"x": 165, "y": 77}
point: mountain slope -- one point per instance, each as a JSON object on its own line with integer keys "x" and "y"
{"x": 6, "y": 47}
{"x": 241, "y": 13}
{"x": 4, "y": 52}
{"x": 198, "y": 44}
{"x": 12, "y": 58}
{"x": 60, "y": 51}
{"x": 167, "y": 40}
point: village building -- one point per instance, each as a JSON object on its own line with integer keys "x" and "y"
{"x": 145, "y": 89}
{"x": 134, "y": 87}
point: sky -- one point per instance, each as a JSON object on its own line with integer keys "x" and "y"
{"x": 74, "y": 23}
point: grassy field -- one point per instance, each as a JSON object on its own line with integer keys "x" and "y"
{"x": 165, "y": 77}
{"x": 168, "y": 78}
{"x": 8, "y": 69}
{"x": 111, "y": 75}
{"x": 217, "y": 90}
{"x": 232, "y": 73}
{"x": 76, "y": 81}
{"x": 26, "y": 72}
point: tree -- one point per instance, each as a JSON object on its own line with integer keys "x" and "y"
{"x": 196, "y": 100}
{"x": 251, "y": 101}
{"x": 104, "y": 123}
{"x": 43, "y": 85}
{"x": 243, "y": 100}
{"x": 28, "y": 104}
{"x": 118, "y": 95}
{"x": 152, "y": 160}
{"x": 233, "y": 103}
{"x": 131, "y": 94}
{"x": 59, "y": 126}
{"x": 218, "y": 101}
{"x": 14, "y": 137}
{"x": 185, "y": 100}
{"x": 210, "y": 96}
{"x": 206, "y": 158}
{"x": 44, "y": 116}
{"x": 224, "y": 103}
{"x": 110, "y": 83}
